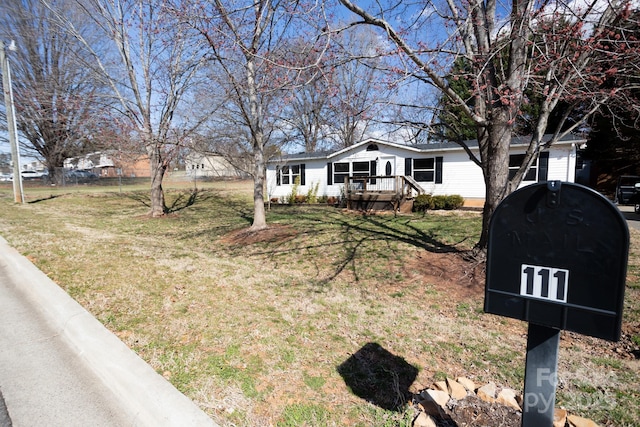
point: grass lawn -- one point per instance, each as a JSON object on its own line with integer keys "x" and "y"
{"x": 327, "y": 318}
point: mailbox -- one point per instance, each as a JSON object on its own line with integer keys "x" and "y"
{"x": 557, "y": 257}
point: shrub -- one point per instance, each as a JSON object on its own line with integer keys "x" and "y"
{"x": 425, "y": 202}
{"x": 291, "y": 198}
{"x": 455, "y": 201}
{"x": 422, "y": 203}
{"x": 439, "y": 202}
{"x": 323, "y": 199}
{"x": 312, "y": 194}
{"x": 300, "y": 199}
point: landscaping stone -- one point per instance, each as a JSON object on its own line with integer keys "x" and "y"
{"x": 467, "y": 383}
{"x": 484, "y": 407}
{"x": 487, "y": 392}
{"x": 455, "y": 389}
{"x": 507, "y": 396}
{"x": 576, "y": 421}
{"x": 424, "y": 420}
{"x": 559, "y": 417}
{"x": 441, "y": 385}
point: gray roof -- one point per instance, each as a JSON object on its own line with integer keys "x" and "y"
{"x": 436, "y": 146}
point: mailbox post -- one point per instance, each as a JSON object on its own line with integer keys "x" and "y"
{"x": 556, "y": 258}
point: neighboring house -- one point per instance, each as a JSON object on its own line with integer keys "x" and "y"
{"x": 437, "y": 169}
{"x": 211, "y": 166}
{"x": 112, "y": 164}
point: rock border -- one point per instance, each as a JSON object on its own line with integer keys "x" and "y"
{"x": 436, "y": 402}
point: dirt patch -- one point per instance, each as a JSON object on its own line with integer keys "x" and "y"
{"x": 450, "y": 273}
{"x": 272, "y": 234}
{"x": 472, "y": 411}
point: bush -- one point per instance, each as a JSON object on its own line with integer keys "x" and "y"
{"x": 439, "y": 202}
{"x": 291, "y": 198}
{"x": 312, "y": 194}
{"x": 454, "y": 201}
{"x": 422, "y": 203}
{"x": 425, "y": 202}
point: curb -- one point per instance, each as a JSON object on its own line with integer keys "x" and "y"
{"x": 146, "y": 397}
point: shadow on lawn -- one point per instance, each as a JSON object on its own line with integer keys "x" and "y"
{"x": 183, "y": 200}
{"x": 354, "y": 232}
{"x": 378, "y": 376}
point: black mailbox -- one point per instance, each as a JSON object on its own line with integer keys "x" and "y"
{"x": 557, "y": 257}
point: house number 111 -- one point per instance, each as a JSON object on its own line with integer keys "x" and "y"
{"x": 545, "y": 283}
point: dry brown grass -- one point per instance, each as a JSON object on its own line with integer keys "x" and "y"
{"x": 254, "y": 326}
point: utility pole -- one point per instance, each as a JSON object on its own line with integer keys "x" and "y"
{"x": 12, "y": 129}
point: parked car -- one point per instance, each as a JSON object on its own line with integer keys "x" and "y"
{"x": 28, "y": 175}
{"x": 626, "y": 189}
{"x": 6, "y": 177}
{"x": 80, "y": 175}
{"x": 635, "y": 198}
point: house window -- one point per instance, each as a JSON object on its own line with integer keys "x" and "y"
{"x": 340, "y": 172}
{"x": 361, "y": 168}
{"x": 289, "y": 174}
{"x": 515, "y": 161}
{"x": 372, "y": 147}
{"x": 286, "y": 175}
{"x": 424, "y": 170}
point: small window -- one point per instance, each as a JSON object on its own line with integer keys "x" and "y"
{"x": 372, "y": 147}
{"x": 388, "y": 168}
{"x": 340, "y": 173}
{"x": 424, "y": 170}
{"x": 361, "y": 168}
{"x": 289, "y": 174}
{"x": 515, "y": 161}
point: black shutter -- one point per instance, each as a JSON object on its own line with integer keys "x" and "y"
{"x": 438, "y": 170}
{"x": 543, "y": 166}
{"x": 407, "y": 166}
{"x": 302, "y": 179}
{"x": 372, "y": 171}
{"x": 329, "y": 173}
{"x": 278, "y": 175}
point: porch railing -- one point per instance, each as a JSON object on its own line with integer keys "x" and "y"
{"x": 402, "y": 186}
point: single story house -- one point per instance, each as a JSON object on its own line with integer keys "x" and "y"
{"x": 112, "y": 164}
{"x": 436, "y": 169}
{"x": 199, "y": 165}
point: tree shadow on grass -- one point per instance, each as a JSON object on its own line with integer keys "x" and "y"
{"x": 378, "y": 376}
{"x": 183, "y": 200}
{"x": 53, "y": 196}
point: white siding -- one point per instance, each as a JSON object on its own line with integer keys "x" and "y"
{"x": 459, "y": 174}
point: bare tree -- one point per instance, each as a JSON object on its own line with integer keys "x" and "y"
{"x": 556, "y": 48}
{"x": 151, "y": 76}
{"x": 244, "y": 39}
{"x": 56, "y": 97}
{"x": 358, "y": 87}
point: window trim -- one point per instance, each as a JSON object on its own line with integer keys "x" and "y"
{"x": 286, "y": 174}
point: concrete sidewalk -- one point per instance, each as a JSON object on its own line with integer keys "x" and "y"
{"x": 59, "y": 366}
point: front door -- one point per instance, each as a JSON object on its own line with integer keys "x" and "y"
{"x": 387, "y": 166}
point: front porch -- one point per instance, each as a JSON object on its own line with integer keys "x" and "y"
{"x": 382, "y": 193}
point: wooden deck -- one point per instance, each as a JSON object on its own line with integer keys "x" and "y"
{"x": 381, "y": 193}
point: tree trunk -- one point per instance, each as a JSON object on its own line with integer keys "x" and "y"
{"x": 158, "y": 168}
{"x": 496, "y": 176}
{"x": 259, "y": 214}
